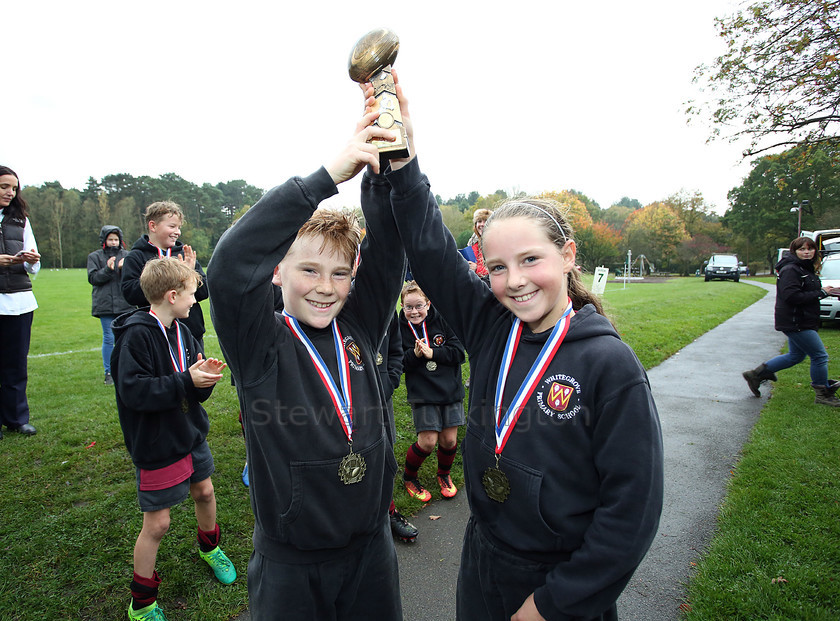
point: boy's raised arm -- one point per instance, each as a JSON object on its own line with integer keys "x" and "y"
{"x": 240, "y": 271}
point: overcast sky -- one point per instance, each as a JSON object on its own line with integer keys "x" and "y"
{"x": 521, "y": 96}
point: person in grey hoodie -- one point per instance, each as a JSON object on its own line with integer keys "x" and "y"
{"x": 104, "y": 267}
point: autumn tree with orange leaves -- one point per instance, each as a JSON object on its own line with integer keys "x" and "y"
{"x": 655, "y": 231}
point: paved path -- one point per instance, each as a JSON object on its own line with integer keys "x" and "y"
{"x": 707, "y": 412}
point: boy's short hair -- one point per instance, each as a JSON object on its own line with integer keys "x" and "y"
{"x": 159, "y": 210}
{"x": 411, "y": 287}
{"x": 162, "y": 275}
{"x": 339, "y": 230}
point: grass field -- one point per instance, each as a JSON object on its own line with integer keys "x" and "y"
{"x": 69, "y": 517}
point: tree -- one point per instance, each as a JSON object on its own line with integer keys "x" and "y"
{"x": 693, "y": 210}
{"x": 616, "y": 215}
{"x": 692, "y": 252}
{"x": 576, "y": 211}
{"x": 237, "y": 195}
{"x": 760, "y": 206}
{"x": 599, "y": 244}
{"x": 592, "y": 207}
{"x": 655, "y": 231}
{"x": 778, "y": 83}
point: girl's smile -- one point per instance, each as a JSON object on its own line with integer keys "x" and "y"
{"x": 528, "y": 272}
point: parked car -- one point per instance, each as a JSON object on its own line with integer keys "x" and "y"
{"x": 830, "y": 275}
{"x": 828, "y": 240}
{"x": 722, "y": 267}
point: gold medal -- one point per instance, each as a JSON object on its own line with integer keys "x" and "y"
{"x": 379, "y": 359}
{"x": 496, "y": 483}
{"x": 352, "y": 468}
{"x": 431, "y": 365}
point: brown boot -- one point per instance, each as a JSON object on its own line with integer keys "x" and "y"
{"x": 825, "y": 396}
{"x": 756, "y": 376}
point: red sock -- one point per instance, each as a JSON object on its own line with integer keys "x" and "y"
{"x": 144, "y": 590}
{"x": 209, "y": 539}
{"x": 414, "y": 458}
{"x": 445, "y": 458}
{"x": 392, "y": 508}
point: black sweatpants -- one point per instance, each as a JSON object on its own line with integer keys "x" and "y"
{"x": 493, "y": 583}
{"x": 359, "y": 586}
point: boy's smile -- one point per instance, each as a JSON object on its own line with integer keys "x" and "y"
{"x": 416, "y": 308}
{"x": 315, "y": 281}
{"x": 165, "y": 232}
{"x": 183, "y": 302}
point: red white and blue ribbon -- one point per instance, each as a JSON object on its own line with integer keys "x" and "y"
{"x": 425, "y": 338}
{"x": 507, "y": 421}
{"x": 179, "y": 358}
{"x": 161, "y": 254}
{"x": 342, "y": 397}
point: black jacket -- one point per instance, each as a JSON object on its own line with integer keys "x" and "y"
{"x": 390, "y": 358}
{"x": 107, "y": 297}
{"x": 798, "y": 295}
{"x": 442, "y": 384}
{"x": 160, "y": 409}
{"x": 143, "y": 251}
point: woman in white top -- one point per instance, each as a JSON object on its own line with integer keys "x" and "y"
{"x": 19, "y": 259}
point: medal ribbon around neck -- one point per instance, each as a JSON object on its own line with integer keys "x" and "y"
{"x": 179, "y": 362}
{"x": 342, "y": 399}
{"x": 425, "y": 338}
{"x": 506, "y": 423}
{"x": 161, "y": 254}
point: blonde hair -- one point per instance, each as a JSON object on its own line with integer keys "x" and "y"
{"x": 411, "y": 287}
{"x": 168, "y": 274}
{"x": 551, "y": 217}
{"x": 339, "y": 231}
{"x": 161, "y": 209}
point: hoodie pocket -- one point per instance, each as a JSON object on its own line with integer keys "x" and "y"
{"x": 517, "y": 521}
{"x": 327, "y": 513}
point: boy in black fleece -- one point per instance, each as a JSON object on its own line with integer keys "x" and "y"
{"x": 161, "y": 379}
{"x": 164, "y": 220}
{"x": 320, "y": 453}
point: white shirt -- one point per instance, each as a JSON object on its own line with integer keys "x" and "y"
{"x": 22, "y": 301}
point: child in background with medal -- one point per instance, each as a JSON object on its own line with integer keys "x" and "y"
{"x": 164, "y": 220}
{"x": 161, "y": 380}
{"x": 432, "y": 362}
{"x": 320, "y": 453}
{"x": 563, "y": 450}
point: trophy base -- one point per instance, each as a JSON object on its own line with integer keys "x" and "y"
{"x": 385, "y": 156}
{"x": 393, "y": 150}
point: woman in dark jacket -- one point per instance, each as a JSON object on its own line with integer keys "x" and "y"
{"x": 798, "y": 295}
{"x": 104, "y": 267}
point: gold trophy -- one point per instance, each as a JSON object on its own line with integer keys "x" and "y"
{"x": 370, "y": 61}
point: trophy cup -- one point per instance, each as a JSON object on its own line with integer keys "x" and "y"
{"x": 370, "y": 61}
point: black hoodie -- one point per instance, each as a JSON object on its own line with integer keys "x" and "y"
{"x": 303, "y": 511}
{"x": 442, "y": 384}
{"x": 584, "y": 460}
{"x": 141, "y": 252}
{"x": 160, "y": 409}
{"x": 798, "y": 295}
